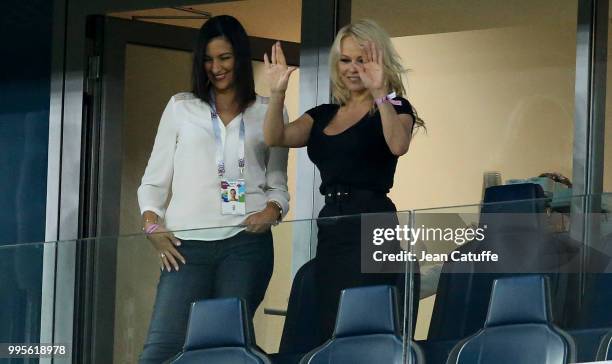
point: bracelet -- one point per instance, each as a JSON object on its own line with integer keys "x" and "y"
{"x": 280, "y": 209}
{"x": 150, "y": 229}
{"x": 389, "y": 98}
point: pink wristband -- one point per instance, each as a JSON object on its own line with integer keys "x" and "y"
{"x": 151, "y": 229}
{"x": 389, "y": 98}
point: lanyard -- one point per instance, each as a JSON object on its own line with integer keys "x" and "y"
{"x": 217, "y": 131}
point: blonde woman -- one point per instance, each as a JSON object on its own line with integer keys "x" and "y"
{"x": 355, "y": 142}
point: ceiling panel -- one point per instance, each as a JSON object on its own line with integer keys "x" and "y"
{"x": 274, "y": 19}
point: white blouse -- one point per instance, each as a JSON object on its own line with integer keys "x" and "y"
{"x": 182, "y": 167}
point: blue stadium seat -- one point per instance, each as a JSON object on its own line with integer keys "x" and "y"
{"x": 518, "y": 328}
{"x": 219, "y": 332}
{"x": 516, "y": 232}
{"x": 367, "y": 330}
{"x": 595, "y": 310}
{"x": 588, "y": 342}
{"x": 605, "y": 348}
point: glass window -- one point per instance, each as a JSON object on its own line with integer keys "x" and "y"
{"x": 494, "y": 83}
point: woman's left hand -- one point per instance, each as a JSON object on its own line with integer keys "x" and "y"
{"x": 371, "y": 70}
{"x": 261, "y": 221}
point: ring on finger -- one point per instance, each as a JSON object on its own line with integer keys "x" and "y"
{"x": 162, "y": 255}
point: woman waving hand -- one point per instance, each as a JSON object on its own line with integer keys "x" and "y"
{"x": 355, "y": 143}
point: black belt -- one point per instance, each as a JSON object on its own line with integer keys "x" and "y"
{"x": 337, "y": 193}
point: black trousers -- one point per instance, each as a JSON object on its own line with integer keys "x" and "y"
{"x": 338, "y": 259}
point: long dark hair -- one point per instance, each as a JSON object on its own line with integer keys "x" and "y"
{"x": 230, "y": 28}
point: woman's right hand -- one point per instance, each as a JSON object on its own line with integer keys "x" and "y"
{"x": 165, "y": 243}
{"x": 277, "y": 72}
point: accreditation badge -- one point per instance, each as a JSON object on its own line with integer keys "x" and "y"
{"x": 233, "y": 197}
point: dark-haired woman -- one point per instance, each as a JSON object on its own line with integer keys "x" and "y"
{"x": 210, "y": 142}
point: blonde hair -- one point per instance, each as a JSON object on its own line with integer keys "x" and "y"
{"x": 366, "y": 30}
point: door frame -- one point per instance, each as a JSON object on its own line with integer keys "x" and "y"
{"x": 95, "y": 322}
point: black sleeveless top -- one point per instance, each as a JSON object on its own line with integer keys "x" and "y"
{"x": 359, "y": 156}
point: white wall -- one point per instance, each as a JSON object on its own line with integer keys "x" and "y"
{"x": 493, "y": 100}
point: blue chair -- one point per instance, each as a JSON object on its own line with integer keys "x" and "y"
{"x": 595, "y": 310}
{"x": 516, "y": 232}
{"x": 605, "y": 348}
{"x": 367, "y": 330}
{"x": 518, "y": 328}
{"x": 588, "y": 342}
{"x": 219, "y": 332}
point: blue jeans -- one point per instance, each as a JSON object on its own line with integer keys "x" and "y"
{"x": 239, "y": 266}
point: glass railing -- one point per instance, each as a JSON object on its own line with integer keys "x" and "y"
{"x": 441, "y": 262}
{"x": 463, "y": 250}
{"x": 21, "y": 281}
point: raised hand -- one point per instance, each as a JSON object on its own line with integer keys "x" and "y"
{"x": 371, "y": 71}
{"x": 277, "y": 72}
